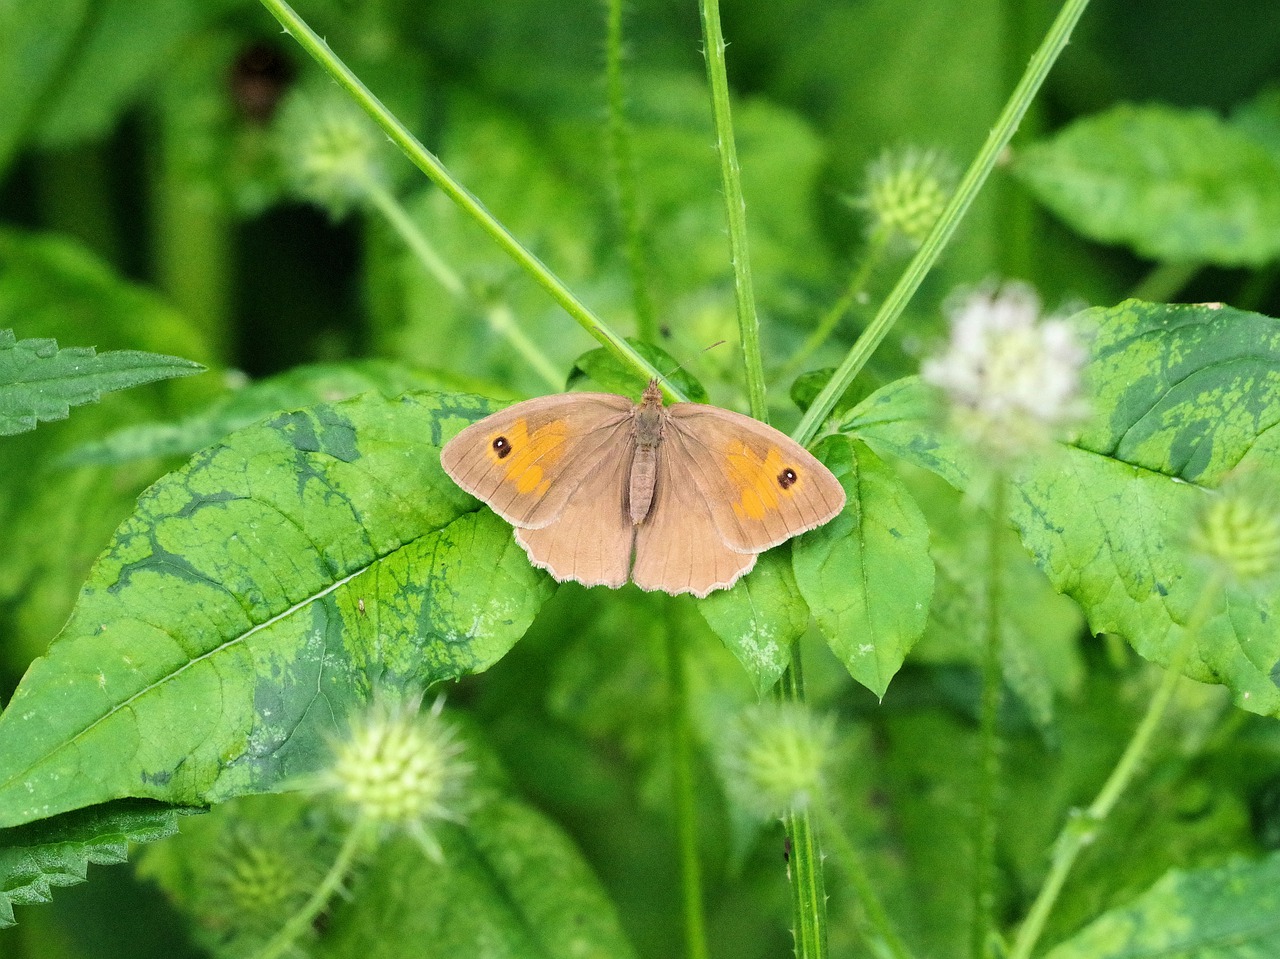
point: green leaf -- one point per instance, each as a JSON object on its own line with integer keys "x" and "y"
{"x": 40, "y": 382}
{"x": 760, "y": 617}
{"x": 1226, "y": 912}
{"x": 867, "y": 575}
{"x": 1183, "y": 394}
{"x": 1176, "y": 185}
{"x": 36, "y": 859}
{"x": 250, "y": 601}
{"x": 607, "y": 372}
{"x": 302, "y": 386}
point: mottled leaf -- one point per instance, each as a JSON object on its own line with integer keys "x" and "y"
{"x": 251, "y": 600}
{"x": 36, "y": 859}
{"x": 38, "y": 381}
{"x": 867, "y": 574}
{"x": 1177, "y": 185}
{"x": 1182, "y": 394}
{"x": 1226, "y": 912}
{"x": 759, "y": 617}
{"x": 302, "y": 386}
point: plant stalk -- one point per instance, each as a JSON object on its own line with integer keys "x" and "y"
{"x": 429, "y": 164}
{"x": 1032, "y": 79}
{"x": 808, "y": 886}
{"x": 735, "y": 207}
{"x": 301, "y": 920}
{"x": 1083, "y": 828}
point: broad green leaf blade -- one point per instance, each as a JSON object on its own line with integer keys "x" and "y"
{"x": 1227, "y": 912}
{"x": 38, "y": 381}
{"x": 867, "y": 574}
{"x": 759, "y": 617}
{"x": 36, "y": 859}
{"x": 1176, "y": 185}
{"x": 251, "y": 600}
{"x": 1184, "y": 394}
{"x": 302, "y": 386}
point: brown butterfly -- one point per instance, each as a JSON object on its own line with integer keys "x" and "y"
{"x": 678, "y": 498}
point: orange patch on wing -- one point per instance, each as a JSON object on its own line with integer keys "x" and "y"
{"x": 532, "y": 454}
{"x": 756, "y": 479}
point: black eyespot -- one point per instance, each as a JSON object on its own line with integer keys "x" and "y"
{"x": 502, "y": 447}
{"x": 787, "y": 478}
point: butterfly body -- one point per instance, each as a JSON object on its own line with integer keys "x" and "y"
{"x": 678, "y": 498}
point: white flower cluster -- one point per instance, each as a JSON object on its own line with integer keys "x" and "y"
{"x": 1013, "y": 379}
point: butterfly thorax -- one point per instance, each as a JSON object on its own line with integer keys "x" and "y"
{"x": 646, "y": 432}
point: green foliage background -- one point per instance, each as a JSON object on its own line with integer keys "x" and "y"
{"x": 145, "y": 205}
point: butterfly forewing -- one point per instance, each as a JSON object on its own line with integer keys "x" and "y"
{"x": 760, "y": 487}
{"x": 528, "y": 460}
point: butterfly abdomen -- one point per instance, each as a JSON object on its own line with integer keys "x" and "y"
{"x": 649, "y": 420}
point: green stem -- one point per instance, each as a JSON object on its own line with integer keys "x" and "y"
{"x": 498, "y": 314}
{"x": 877, "y": 926}
{"x": 427, "y": 162}
{"x": 302, "y": 920}
{"x": 876, "y": 245}
{"x": 1165, "y": 281}
{"x": 1083, "y": 828}
{"x": 624, "y": 176}
{"x": 808, "y": 887}
{"x": 695, "y": 927}
{"x": 989, "y": 745}
{"x": 735, "y": 206}
{"x": 954, "y": 212}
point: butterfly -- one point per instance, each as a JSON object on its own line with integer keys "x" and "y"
{"x": 602, "y": 490}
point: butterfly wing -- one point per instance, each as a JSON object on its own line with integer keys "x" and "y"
{"x": 759, "y": 486}
{"x": 678, "y": 547}
{"x": 590, "y": 540}
{"x": 528, "y": 461}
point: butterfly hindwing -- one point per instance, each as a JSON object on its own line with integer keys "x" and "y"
{"x": 760, "y": 487}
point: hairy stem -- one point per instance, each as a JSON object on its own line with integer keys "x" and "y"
{"x": 808, "y": 887}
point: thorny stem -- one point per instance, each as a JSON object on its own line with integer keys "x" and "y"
{"x": 735, "y": 207}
